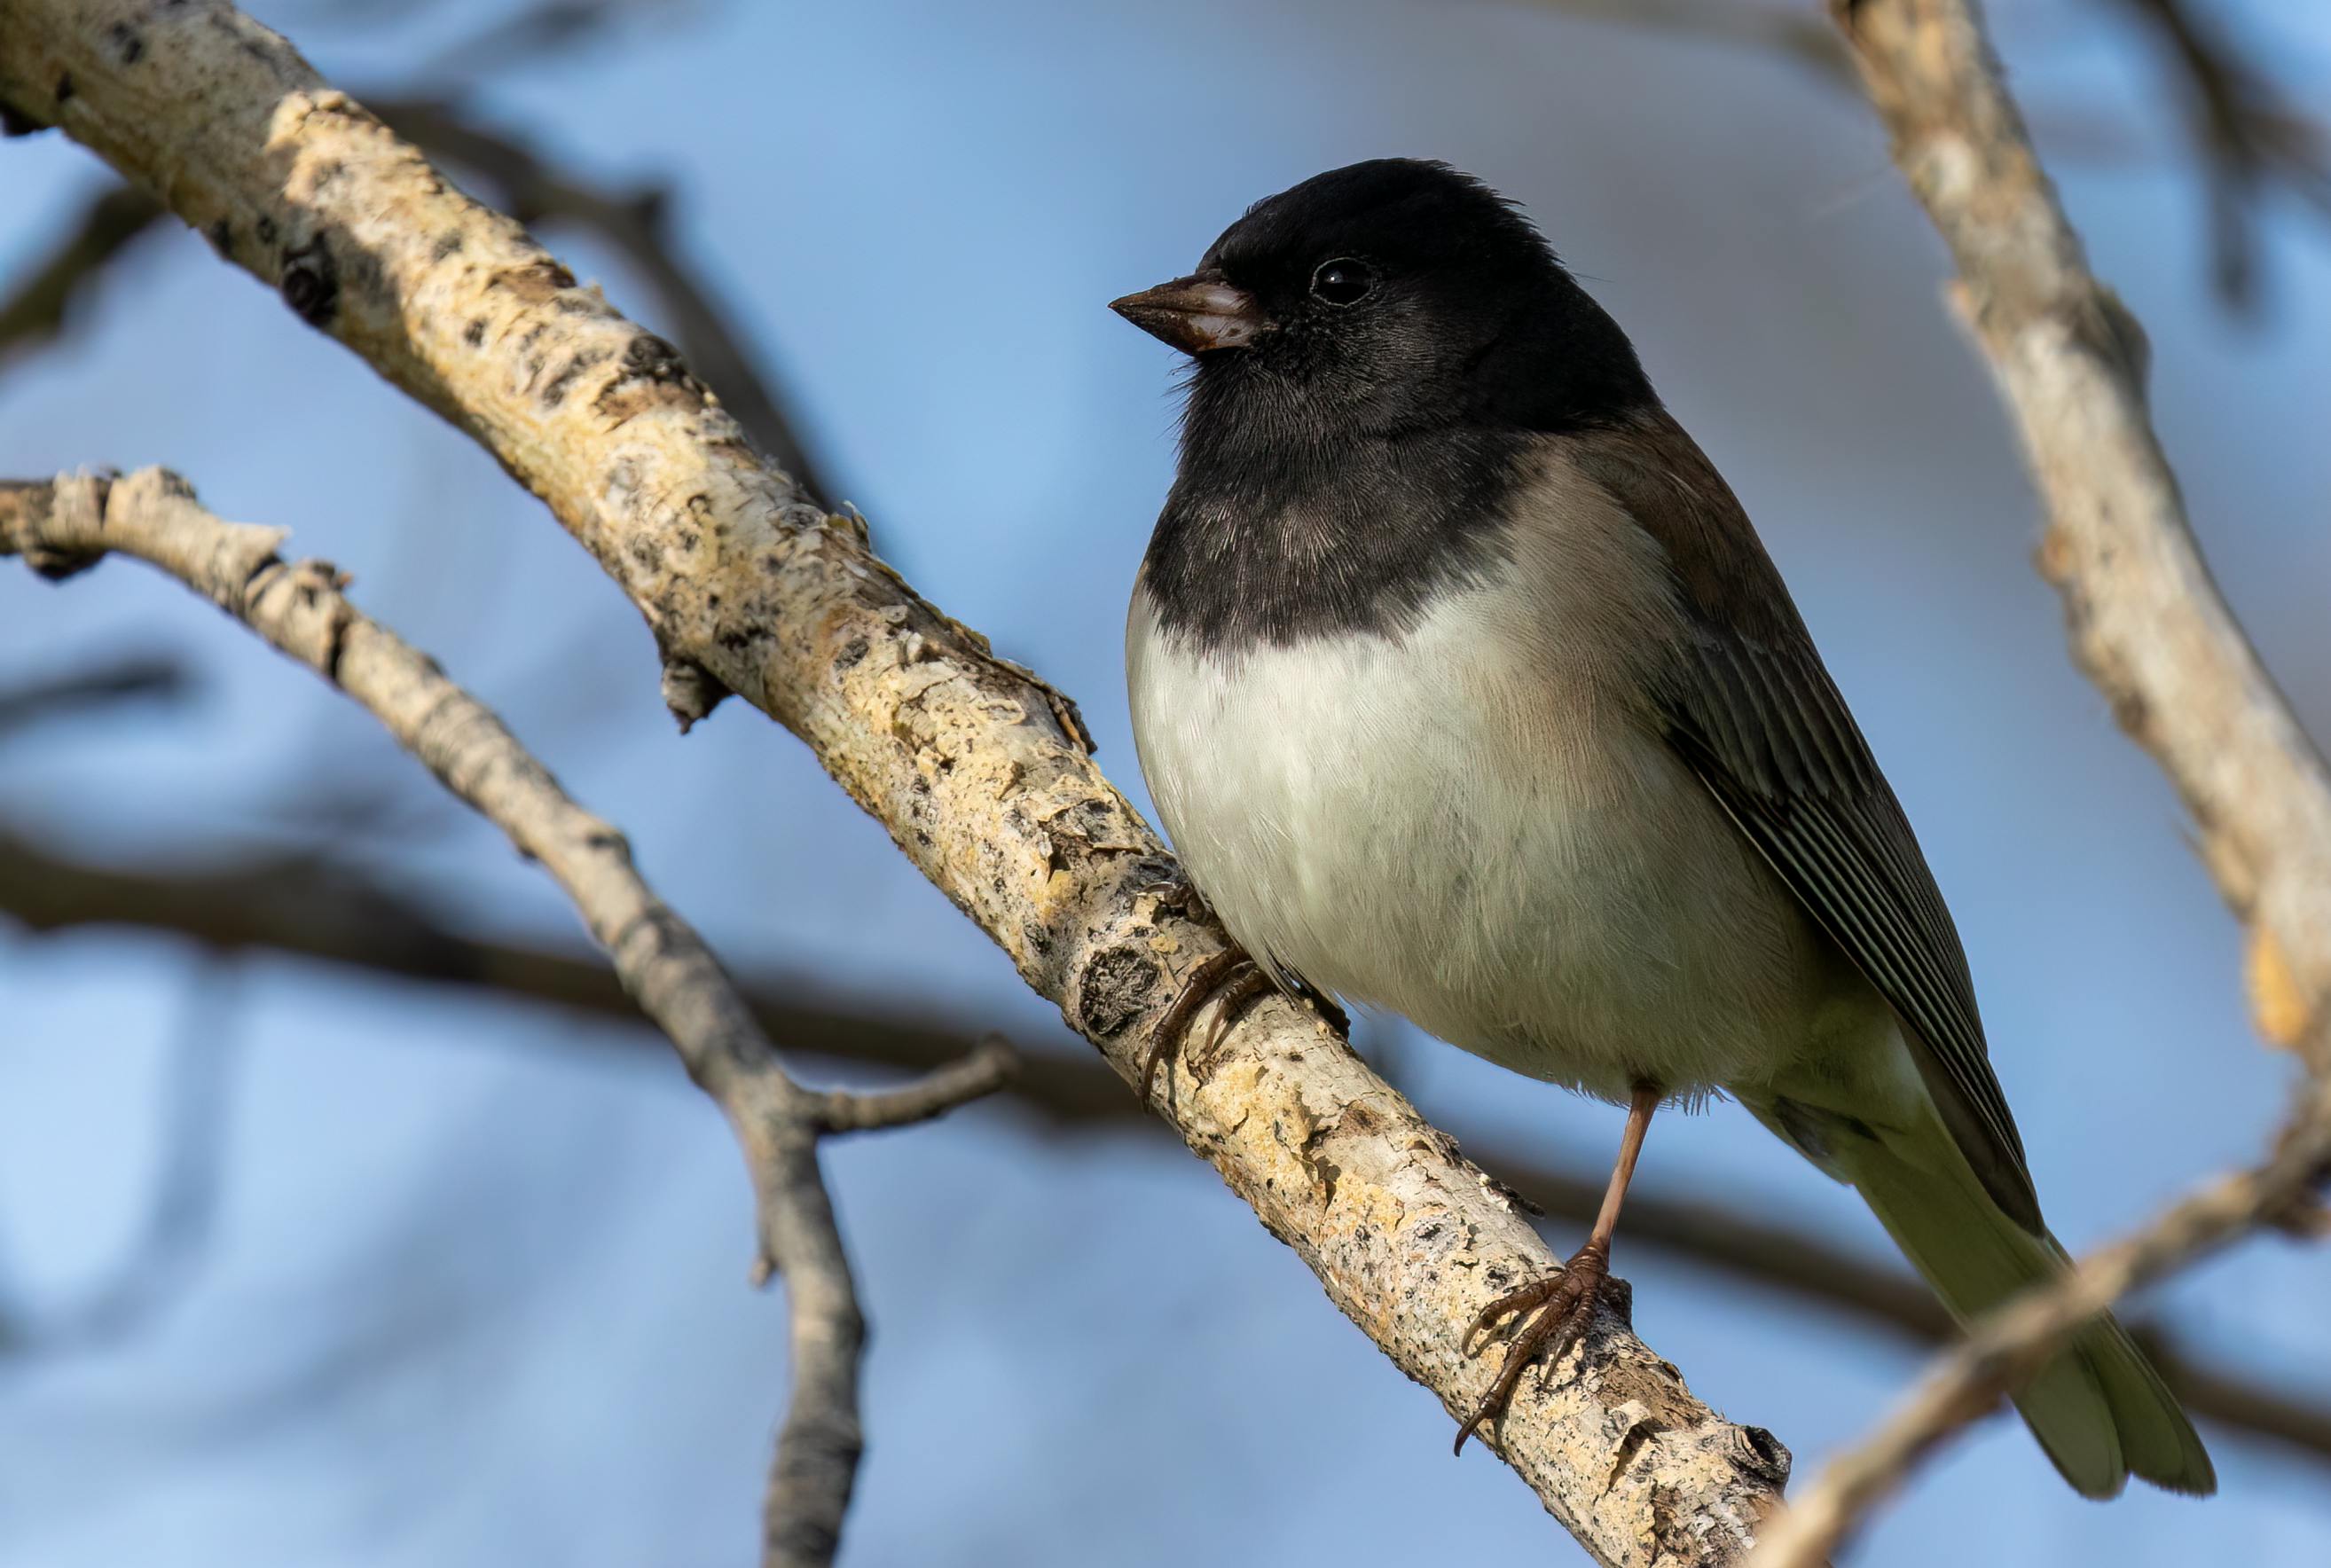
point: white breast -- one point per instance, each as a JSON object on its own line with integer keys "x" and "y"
{"x": 1472, "y": 826}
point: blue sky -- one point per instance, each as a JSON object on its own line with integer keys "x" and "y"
{"x": 474, "y": 1291}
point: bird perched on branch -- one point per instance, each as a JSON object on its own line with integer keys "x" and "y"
{"x": 1468, "y": 692}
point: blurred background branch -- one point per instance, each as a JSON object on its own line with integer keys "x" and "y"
{"x": 520, "y": 182}
{"x": 99, "y": 684}
{"x": 183, "y": 1197}
{"x": 2249, "y": 138}
{"x": 2251, "y": 141}
{"x": 314, "y": 908}
{"x": 57, "y": 286}
{"x": 1788, "y": 31}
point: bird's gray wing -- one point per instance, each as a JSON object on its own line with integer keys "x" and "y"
{"x": 1747, "y": 704}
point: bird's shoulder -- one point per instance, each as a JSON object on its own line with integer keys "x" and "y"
{"x": 1647, "y": 469}
{"x": 1742, "y": 696}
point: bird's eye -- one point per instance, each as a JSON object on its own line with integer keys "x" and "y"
{"x": 1342, "y": 281}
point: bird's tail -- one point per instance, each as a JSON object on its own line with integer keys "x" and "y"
{"x": 2099, "y": 1409}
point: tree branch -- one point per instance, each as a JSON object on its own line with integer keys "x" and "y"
{"x": 664, "y": 965}
{"x": 976, "y": 769}
{"x": 2147, "y": 621}
{"x": 535, "y": 193}
{"x": 2148, "y": 626}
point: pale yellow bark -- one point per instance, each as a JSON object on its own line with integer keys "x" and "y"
{"x": 2146, "y": 620}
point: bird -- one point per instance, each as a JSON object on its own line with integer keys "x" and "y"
{"x": 1467, "y": 692}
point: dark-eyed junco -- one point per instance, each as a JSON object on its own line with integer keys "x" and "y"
{"x": 1468, "y": 692}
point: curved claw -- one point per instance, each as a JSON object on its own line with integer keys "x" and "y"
{"x": 1565, "y": 1303}
{"x": 1210, "y": 976}
{"x": 1511, "y": 1302}
{"x": 1234, "y": 996}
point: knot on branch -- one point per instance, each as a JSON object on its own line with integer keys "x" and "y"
{"x": 74, "y": 503}
{"x": 650, "y": 374}
{"x": 311, "y": 283}
{"x": 689, "y": 690}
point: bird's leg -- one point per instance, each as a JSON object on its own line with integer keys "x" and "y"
{"x": 1563, "y": 1302}
{"x": 1229, "y": 977}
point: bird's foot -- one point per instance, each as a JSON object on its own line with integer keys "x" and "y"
{"x": 1564, "y": 1304}
{"x": 1229, "y": 977}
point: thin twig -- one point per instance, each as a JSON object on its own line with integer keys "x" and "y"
{"x": 298, "y": 609}
{"x": 991, "y": 1064}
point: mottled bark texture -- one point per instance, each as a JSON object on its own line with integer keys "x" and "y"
{"x": 65, "y": 526}
{"x": 979, "y": 772}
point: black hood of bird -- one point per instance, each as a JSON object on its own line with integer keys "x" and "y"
{"x": 1373, "y": 350}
